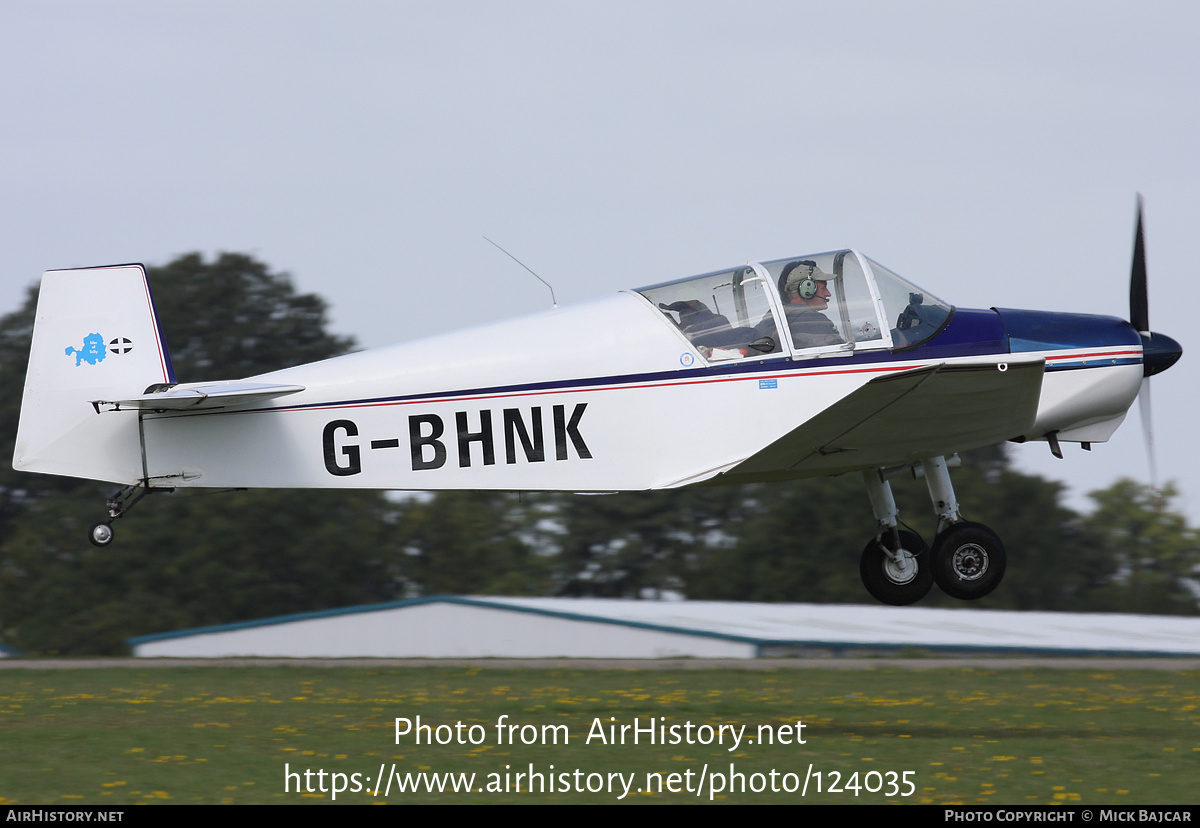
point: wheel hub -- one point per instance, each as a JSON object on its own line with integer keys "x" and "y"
{"x": 900, "y": 569}
{"x": 970, "y": 562}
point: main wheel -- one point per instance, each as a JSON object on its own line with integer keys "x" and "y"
{"x": 968, "y": 560}
{"x": 101, "y": 534}
{"x": 897, "y": 582}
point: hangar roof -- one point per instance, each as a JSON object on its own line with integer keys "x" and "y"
{"x": 457, "y": 626}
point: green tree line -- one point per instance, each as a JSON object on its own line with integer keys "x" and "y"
{"x": 198, "y": 558}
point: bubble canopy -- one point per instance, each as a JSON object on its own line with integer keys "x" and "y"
{"x": 821, "y": 304}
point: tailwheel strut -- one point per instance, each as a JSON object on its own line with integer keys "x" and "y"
{"x": 119, "y": 503}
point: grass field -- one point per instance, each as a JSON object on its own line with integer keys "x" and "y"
{"x": 212, "y": 735}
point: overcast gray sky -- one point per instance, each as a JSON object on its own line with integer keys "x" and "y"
{"x": 989, "y": 152}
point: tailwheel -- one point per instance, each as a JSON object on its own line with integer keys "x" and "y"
{"x": 968, "y": 560}
{"x": 101, "y": 534}
{"x": 897, "y": 576}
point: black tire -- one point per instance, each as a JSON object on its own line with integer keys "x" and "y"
{"x": 101, "y": 534}
{"x": 968, "y": 561}
{"x": 893, "y": 585}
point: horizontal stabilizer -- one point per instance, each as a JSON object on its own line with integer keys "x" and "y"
{"x": 201, "y": 395}
{"x": 905, "y": 417}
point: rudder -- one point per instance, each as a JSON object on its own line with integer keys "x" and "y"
{"x": 95, "y": 336}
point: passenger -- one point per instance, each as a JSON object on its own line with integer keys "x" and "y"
{"x": 802, "y": 286}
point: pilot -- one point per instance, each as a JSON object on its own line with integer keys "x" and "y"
{"x": 803, "y": 288}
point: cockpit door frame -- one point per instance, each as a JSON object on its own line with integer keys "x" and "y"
{"x": 884, "y": 342}
{"x": 885, "y": 329}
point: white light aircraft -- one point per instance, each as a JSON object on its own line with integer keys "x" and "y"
{"x": 810, "y": 365}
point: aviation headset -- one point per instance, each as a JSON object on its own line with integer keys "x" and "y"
{"x": 807, "y": 287}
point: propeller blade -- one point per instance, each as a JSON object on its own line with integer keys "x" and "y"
{"x": 1148, "y": 432}
{"x": 1139, "y": 306}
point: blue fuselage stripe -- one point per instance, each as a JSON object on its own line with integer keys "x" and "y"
{"x": 970, "y": 333}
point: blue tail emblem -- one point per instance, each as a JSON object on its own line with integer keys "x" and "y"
{"x": 93, "y": 350}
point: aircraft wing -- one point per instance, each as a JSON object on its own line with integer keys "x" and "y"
{"x": 904, "y": 417}
{"x": 202, "y": 395}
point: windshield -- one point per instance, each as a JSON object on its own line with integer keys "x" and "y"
{"x": 914, "y": 314}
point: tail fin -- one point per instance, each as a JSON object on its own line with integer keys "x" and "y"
{"x": 96, "y": 336}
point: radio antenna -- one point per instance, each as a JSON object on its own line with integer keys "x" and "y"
{"x": 553, "y": 301}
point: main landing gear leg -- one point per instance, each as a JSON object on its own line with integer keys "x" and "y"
{"x": 968, "y": 558}
{"x": 895, "y": 566}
